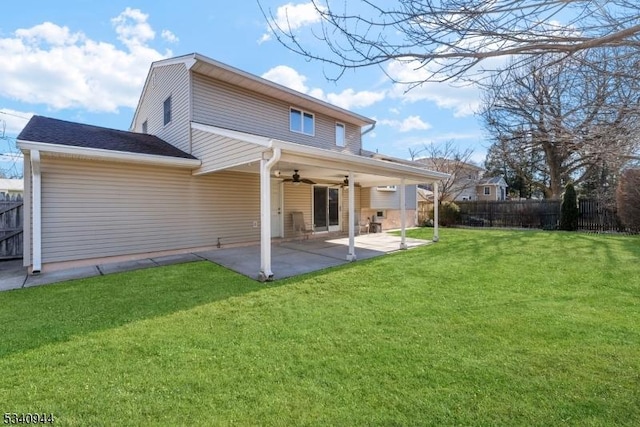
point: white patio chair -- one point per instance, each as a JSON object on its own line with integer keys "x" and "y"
{"x": 300, "y": 226}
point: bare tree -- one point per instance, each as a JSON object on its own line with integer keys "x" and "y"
{"x": 573, "y": 116}
{"x": 450, "y": 39}
{"x": 9, "y": 158}
{"x": 449, "y": 159}
{"x": 628, "y": 198}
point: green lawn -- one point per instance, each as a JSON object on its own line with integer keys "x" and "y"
{"x": 484, "y": 328}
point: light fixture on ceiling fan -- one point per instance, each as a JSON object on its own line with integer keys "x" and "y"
{"x": 296, "y": 180}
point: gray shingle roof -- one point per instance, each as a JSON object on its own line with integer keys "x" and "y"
{"x": 494, "y": 180}
{"x": 54, "y": 131}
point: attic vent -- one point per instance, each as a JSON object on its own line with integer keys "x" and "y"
{"x": 153, "y": 80}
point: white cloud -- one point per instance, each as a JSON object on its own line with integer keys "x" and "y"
{"x": 12, "y": 122}
{"x": 290, "y": 17}
{"x": 464, "y": 101}
{"x": 346, "y": 99}
{"x": 51, "y": 65}
{"x": 49, "y": 33}
{"x": 408, "y": 124}
{"x": 287, "y": 76}
{"x": 169, "y": 36}
{"x": 349, "y": 98}
{"x": 132, "y": 28}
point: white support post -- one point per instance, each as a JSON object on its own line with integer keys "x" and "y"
{"x": 351, "y": 256}
{"x": 265, "y": 215}
{"x": 436, "y": 204}
{"x": 403, "y": 215}
{"x": 36, "y": 206}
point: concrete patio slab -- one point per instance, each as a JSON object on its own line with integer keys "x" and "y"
{"x": 12, "y": 274}
{"x": 287, "y": 259}
{"x": 176, "y": 259}
{"x": 117, "y": 267}
{"x": 62, "y": 275}
{"x": 304, "y": 256}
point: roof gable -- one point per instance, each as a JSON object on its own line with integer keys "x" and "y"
{"x": 209, "y": 67}
{"x": 60, "y": 132}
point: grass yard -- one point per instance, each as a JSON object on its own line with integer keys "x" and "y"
{"x": 484, "y": 328}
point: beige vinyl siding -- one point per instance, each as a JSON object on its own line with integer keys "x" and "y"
{"x": 345, "y": 207}
{"x": 217, "y": 103}
{"x": 365, "y": 197}
{"x": 169, "y": 80}
{"x": 297, "y": 198}
{"x": 218, "y": 152}
{"x": 391, "y": 199}
{"x": 97, "y": 209}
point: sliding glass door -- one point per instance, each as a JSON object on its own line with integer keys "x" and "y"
{"x": 326, "y": 208}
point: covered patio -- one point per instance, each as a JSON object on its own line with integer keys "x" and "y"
{"x": 273, "y": 159}
{"x": 295, "y": 257}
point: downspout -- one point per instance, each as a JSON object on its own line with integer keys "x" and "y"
{"x": 373, "y": 126}
{"x": 265, "y": 214}
{"x": 36, "y": 206}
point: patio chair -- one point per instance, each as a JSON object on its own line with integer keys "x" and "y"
{"x": 363, "y": 226}
{"x": 300, "y": 226}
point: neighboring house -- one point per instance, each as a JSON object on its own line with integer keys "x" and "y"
{"x": 463, "y": 177}
{"x": 211, "y": 159}
{"x": 11, "y": 187}
{"x": 492, "y": 188}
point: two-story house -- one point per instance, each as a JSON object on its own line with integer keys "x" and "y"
{"x": 214, "y": 157}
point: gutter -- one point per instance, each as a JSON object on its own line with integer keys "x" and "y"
{"x": 373, "y": 126}
{"x": 102, "y": 154}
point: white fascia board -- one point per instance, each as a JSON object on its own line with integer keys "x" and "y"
{"x": 414, "y": 174}
{"x": 380, "y": 165}
{"x": 101, "y": 154}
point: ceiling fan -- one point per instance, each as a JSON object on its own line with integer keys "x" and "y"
{"x": 345, "y": 182}
{"x": 295, "y": 179}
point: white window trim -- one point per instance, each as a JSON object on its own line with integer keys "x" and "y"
{"x": 344, "y": 134}
{"x": 384, "y": 214}
{"x": 487, "y": 193}
{"x": 302, "y": 113}
{"x": 170, "y": 110}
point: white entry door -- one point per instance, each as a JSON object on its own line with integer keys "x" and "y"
{"x": 276, "y": 208}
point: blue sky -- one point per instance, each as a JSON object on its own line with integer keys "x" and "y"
{"x": 86, "y": 61}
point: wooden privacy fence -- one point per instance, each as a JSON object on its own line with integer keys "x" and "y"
{"x": 543, "y": 214}
{"x": 11, "y": 220}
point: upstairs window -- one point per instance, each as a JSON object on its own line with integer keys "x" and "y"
{"x": 301, "y": 122}
{"x": 487, "y": 191}
{"x": 340, "y": 134}
{"x": 167, "y": 110}
{"x": 144, "y": 126}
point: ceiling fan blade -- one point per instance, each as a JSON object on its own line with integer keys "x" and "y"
{"x": 307, "y": 181}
